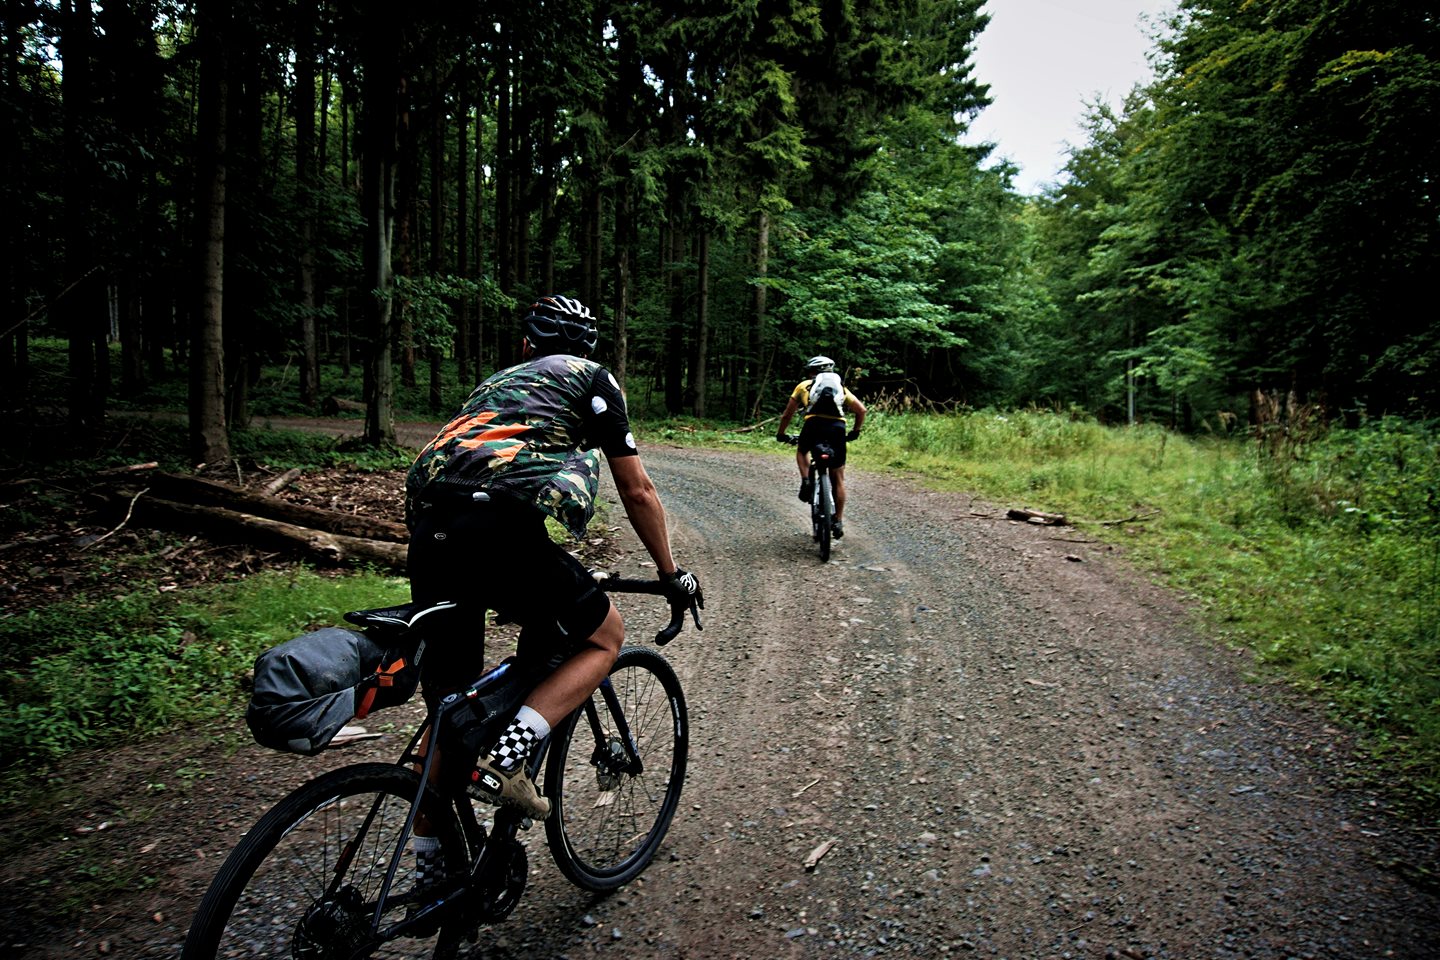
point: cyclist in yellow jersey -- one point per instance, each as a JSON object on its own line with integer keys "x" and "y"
{"x": 824, "y": 401}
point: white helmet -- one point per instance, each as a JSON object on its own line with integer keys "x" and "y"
{"x": 819, "y": 365}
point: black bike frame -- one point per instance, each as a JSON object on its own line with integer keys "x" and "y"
{"x": 506, "y": 822}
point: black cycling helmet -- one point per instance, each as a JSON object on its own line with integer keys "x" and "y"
{"x": 561, "y": 325}
{"x": 819, "y": 365}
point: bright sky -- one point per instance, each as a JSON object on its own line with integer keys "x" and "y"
{"x": 1043, "y": 60}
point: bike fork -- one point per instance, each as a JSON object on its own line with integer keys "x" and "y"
{"x": 633, "y": 764}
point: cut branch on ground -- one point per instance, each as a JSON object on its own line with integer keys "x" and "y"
{"x": 200, "y": 491}
{"x": 233, "y": 525}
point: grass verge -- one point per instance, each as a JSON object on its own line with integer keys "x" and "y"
{"x": 99, "y": 672}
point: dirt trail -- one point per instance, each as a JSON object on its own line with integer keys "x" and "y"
{"x": 1015, "y": 745}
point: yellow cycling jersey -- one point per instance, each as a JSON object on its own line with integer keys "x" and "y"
{"x": 801, "y": 395}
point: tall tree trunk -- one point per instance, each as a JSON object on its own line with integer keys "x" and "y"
{"x": 322, "y": 160}
{"x": 589, "y": 266}
{"x": 407, "y": 181}
{"x": 127, "y": 56}
{"x": 756, "y": 388}
{"x": 549, "y": 225}
{"x": 462, "y": 209}
{"x": 347, "y": 86}
{"x": 83, "y": 304}
{"x": 132, "y": 340}
{"x": 346, "y": 77}
{"x": 381, "y": 105}
{"x": 479, "y": 212}
{"x": 623, "y": 233}
{"x": 243, "y": 277}
{"x": 596, "y": 252}
{"x": 304, "y": 104}
{"x": 675, "y": 319}
{"x": 15, "y": 335}
{"x": 504, "y": 182}
{"x": 437, "y": 225}
{"x": 325, "y": 346}
{"x": 700, "y": 349}
{"x": 522, "y": 129}
{"x": 209, "y": 442}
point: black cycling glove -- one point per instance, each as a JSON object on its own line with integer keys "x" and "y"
{"x": 684, "y": 585}
{"x": 853, "y": 435}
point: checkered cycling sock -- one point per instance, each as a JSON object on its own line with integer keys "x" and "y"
{"x": 427, "y": 861}
{"x": 515, "y": 743}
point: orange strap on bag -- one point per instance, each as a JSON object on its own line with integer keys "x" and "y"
{"x": 384, "y": 677}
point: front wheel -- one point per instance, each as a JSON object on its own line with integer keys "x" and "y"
{"x": 615, "y": 771}
{"x": 305, "y": 881}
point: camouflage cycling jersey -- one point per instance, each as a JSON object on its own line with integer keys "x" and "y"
{"x": 521, "y": 434}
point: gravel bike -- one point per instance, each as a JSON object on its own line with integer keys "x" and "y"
{"x": 324, "y": 874}
{"x": 822, "y": 495}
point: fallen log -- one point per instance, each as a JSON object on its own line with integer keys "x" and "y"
{"x": 331, "y": 406}
{"x": 331, "y": 548}
{"x": 1037, "y": 517}
{"x": 198, "y": 490}
{"x": 281, "y": 482}
{"x": 755, "y": 426}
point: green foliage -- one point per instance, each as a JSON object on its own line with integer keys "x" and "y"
{"x": 292, "y": 448}
{"x": 87, "y": 673}
{"x": 427, "y": 301}
{"x": 1254, "y": 211}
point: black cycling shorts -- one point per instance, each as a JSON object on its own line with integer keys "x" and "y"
{"x": 498, "y": 556}
{"x": 824, "y": 430}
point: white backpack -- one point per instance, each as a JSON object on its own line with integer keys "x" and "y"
{"x": 827, "y": 394}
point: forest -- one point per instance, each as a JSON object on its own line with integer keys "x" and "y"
{"x": 376, "y": 189}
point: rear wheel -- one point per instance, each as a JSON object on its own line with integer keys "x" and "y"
{"x": 825, "y": 513}
{"x": 613, "y": 803}
{"x": 305, "y": 881}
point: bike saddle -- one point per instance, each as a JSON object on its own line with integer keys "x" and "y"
{"x": 403, "y": 617}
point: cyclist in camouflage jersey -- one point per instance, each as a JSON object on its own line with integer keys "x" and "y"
{"x": 527, "y": 445}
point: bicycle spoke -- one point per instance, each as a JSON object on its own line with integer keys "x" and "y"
{"x": 306, "y": 881}
{"x": 609, "y": 820}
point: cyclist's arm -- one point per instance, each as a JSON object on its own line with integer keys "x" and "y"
{"x": 785, "y": 417}
{"x": 644, "y": 510}
{"x": 853, "y": 404}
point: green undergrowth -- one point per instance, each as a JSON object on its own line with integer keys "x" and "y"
{"x": 1317, "y": 549}
{"x": 83, "y": 674}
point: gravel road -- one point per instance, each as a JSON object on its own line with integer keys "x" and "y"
{"x": 1006, "y": 743}
{"x": 1014, "y": 746}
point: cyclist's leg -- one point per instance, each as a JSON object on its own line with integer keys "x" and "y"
{"x": 565, "y": 616}
{"x": 836, "y": 439}
{"x": 802, "y": 456}
{"x": 440, "y": 562}
{"x": 574, "y": 680}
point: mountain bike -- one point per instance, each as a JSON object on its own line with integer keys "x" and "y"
{"x": 822, "y": 495}
{"x": 324, "y": 874}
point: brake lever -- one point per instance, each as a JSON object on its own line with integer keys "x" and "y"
{"x": 677, "y": 620}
